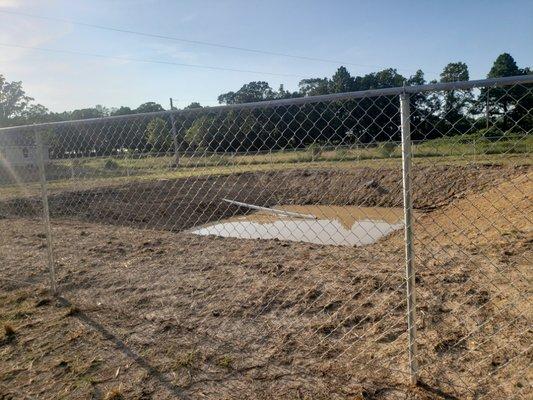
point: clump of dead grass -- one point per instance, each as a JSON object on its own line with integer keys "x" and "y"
{"x": 43, "y": 302}
{"x": 72, "y": 310}
{"x": 114, "y": 394}
{"x": 9, "y": 331}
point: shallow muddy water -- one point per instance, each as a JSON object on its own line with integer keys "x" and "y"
{"x": 336, "y": 225}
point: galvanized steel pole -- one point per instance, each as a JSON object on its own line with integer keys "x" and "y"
{"x": 46, "y": 210}
{"x": 174, "y": 135}
{"x": 487, "y": 111}
{"x": 405, "y": 116}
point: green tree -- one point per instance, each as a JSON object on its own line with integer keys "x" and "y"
{"x": 149, "y": 107}
{"x": 201, "y": 133}
{"x": 455, "y": 71}
{"x": 423, "y": 111}
{"x": 232, "y": 131}
{"x": 505, "y": 103}
{"x": 87, "y": 113}
{"x": 314, "y": 86}
{"x": 158, "y": 135}
{"x": 35, "y": 113}
{"x": 103, "y": 111}
{"x": 193, "y": 105}
{"x": 341, "y": 81}
{"x": 377, "y": 119}
{"x": 455, "y": 103}
{"x": 248, "y": 93}
{"x": 504, "y": 65}
{"x": 13, "y": 100}
{"x": 123, "y": 110}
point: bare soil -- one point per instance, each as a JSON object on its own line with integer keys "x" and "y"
{"x": 159, "y": 314}
{"x": 180, "y": 204}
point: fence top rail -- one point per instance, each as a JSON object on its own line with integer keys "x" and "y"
{"x": 432, "y": 87}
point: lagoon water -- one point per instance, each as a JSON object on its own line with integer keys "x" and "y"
{"x": 334, "y": 225}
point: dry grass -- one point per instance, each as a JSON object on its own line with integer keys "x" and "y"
{"x": 72, "y": 310}
{"x": 9, "y": 331}
{"x": 186, "y": 360}
{"x": 226, "y": 318}
{"x": 114, "y": 394}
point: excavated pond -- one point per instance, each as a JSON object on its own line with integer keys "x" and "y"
{"x": 334, "y": 225}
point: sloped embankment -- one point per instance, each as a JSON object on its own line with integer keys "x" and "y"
{"x": 183, "y": 203}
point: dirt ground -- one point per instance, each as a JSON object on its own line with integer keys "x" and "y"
{"x": 162, "y": 314}
{"x": 183, "y": 203}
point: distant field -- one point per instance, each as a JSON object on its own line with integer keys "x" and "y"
{"x": 444, "y": 147}
{"x": 93, "y": 172}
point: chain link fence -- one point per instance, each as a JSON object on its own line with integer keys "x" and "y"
{"x": 279, "y": 240}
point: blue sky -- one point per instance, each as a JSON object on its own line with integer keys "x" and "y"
{"x": 372, "y": 35}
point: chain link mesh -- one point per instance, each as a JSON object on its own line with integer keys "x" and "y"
{"x": 307, "y": 294}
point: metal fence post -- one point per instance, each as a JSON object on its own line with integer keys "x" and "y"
{"x": 174, "y": 135}
{"x": 46, "y": 211}
{"x": 487, "y": 110}
{"x": 405, "y": 116}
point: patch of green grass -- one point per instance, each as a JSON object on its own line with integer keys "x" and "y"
{"x": 110, "y": 164}
{"x": 314, "y": 150}
{"x": 387, "y": 149}
{"x": 341, "y": 154}
{"x": 186, "y": 360}
{"x": 474, "y": 145}
{"x": 226, "y": 362}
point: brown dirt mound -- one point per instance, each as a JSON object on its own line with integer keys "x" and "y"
{"x": 181, "y": 204}
{"x": 482, "y": 217}
{"x": 483, "y": 244}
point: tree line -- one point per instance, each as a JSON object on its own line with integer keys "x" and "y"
{"x": 359, "y": 120}
{"x": 366, "y": 120}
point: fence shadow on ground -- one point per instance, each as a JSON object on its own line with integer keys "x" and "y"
{"x": 123, "y": 347}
